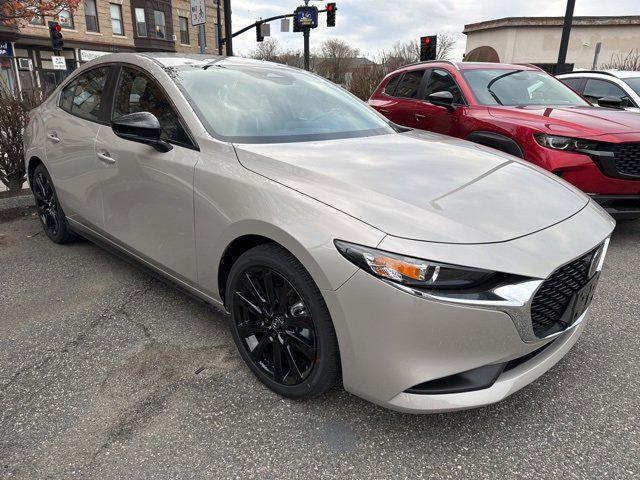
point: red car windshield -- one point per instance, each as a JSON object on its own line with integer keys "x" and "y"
{"x": 520, "y": 88}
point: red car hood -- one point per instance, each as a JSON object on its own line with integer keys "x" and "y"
{"x": 573, "y": 121}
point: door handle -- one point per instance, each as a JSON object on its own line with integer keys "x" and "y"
{"x": 383, "y": 110}
{"x": 53, "y": 136}
{"x": 419, "y": 116}
{"x": 106, "y": 158}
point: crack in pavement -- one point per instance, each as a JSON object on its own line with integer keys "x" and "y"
{"x": 81, "y": 336}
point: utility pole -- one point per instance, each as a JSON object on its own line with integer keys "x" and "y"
{"x": 307, "y": 53}
{"x": 228, "y": 33}
{"x": 566, "y": 33}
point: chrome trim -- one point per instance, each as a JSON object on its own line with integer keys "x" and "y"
{"x": 513, "y": 299}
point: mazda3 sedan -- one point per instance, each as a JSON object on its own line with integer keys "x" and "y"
{"x": 423, "y": 272}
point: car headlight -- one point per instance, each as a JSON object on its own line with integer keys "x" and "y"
{"x": 565, "y": 143}
{"x": 413, "y": 272}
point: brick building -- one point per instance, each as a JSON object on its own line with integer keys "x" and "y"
{"x": 98, "y": 27}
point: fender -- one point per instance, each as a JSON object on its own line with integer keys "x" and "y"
{"x": 497, "y": 141}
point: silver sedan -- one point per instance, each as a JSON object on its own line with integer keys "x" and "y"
{"x": 423, "y": 272}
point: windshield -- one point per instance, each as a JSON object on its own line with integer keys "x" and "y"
{"x": 634, "y": 83}
{"x": 520, "y": 88}
{"x": 256, "y": 104}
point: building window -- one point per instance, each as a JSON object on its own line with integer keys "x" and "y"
{"x": 37, "y": 20}
{"x": 65, "y": 19}
{"x": 116, "y": 19}
{"x": 184, "y": 31}
{"x": 141, "y": 23}
{"x": 160, "y": 24}
{"x": 91, "y": 16}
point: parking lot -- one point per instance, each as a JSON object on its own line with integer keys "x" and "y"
{"x": 106, "y": 372}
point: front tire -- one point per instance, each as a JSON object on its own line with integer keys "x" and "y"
{"x": 281, "y": 324}
{"x": 52, "y": 217}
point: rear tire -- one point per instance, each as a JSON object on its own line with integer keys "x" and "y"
{"x": 281, "y": 324}
{"x": 52, "y": 217}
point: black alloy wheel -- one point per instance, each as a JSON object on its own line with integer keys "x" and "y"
{"x": 281, "y": 324}
{"x": 275, "y": 325}
{"x": 52, "y": 217}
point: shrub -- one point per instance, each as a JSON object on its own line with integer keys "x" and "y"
{"x": 14, "y": 116}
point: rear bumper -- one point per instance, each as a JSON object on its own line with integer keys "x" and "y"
{"x": 620, "y": 207}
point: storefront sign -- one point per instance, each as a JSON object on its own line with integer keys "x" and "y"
{"x": 59, "y": 63}
{"x": 88, "y": 55}
{"x": 5, "y": 49}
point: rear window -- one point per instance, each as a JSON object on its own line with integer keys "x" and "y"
{"x": 410, "y": 84}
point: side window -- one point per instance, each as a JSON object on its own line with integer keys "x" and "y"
{"x": 576, "y": 83}
{"x": 66, "y": 97}
{"x": 409, "y": 84}
{"x": 442, "y": 81}
{"x": 390, "y": 88}
{"x": 136, "y": 92}
{"x": 596, "y": 89}
{"x": 83, "y": 97}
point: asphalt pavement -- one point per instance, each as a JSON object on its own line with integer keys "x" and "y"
{"x": 107, "y": 373}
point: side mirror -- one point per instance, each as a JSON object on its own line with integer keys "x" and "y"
{"x": 141, "y": 127}
{"x": 610, "y": 101}
{"x": 442, "y": 99}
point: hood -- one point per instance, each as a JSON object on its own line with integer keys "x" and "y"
{"x": 420, "y": 186}
{"x": 572, "y": 121}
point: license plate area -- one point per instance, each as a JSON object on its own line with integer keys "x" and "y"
{"x": 581, "y": 301}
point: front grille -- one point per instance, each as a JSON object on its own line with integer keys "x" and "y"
{"x": 554, "y": 295}
{"x": 627, "y": 158}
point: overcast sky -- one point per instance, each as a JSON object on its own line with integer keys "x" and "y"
{"x": 373, "y": 25}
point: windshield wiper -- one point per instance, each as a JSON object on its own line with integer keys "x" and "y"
{"x": 499, "y": 77}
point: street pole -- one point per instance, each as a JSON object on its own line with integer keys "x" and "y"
{"x": 219, "y": 29}
{"x": 566, "y": 33}
{"x": 228, "y": 33}
{"x": 306, "y": 32}
{"x": 201, "y": 38}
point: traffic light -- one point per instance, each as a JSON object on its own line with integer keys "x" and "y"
{"x": 55, "y": 33}
{"x": 259, "y": 36}
{"x": 428, "y": 48}
{"x": 331, "y": 14}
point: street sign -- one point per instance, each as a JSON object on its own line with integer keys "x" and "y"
{"x": 284, "y": 25}
{"x": 198, "y": 13}
{"x": 5, "y": 49}
{"x": 306, "y": 17}
{"x": 59, "y": 63}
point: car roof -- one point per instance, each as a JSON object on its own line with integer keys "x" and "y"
{"x": 609, "y": 73}
{"x": 168, "y": 59}
{"x": 472, "y": 65}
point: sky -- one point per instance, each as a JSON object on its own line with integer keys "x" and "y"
{"x": 375, "y": 25}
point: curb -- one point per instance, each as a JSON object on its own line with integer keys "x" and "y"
{"x": 20, "y": 201}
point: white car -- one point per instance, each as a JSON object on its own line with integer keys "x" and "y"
{"x": 596, "y": 85}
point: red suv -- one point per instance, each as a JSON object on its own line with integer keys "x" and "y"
{"x": 526, "y": 112}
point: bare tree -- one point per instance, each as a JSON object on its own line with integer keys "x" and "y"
{"x": 446, "y": 42}
{"x": 269, "y": 50}
{"x": 335, "y": 58}
{"x": 293, "y": 58}
{"x": 630, "y": 62}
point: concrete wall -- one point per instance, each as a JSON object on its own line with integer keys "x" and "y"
{"x": 540, "y": 44}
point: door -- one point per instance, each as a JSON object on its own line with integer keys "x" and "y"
{"x": 436, "y": 118}
{"x": 147, "y": 194}
{"x": 71, "y": 128}
{"x": 400, "y": 107}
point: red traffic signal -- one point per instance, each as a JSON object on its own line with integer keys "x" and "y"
{"x": 331, "y": 14}
{"x": 55, "y": 35}
{"x": 428, "y": 48}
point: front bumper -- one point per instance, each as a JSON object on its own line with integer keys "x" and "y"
{"x": 620, "y": 207}
{"x": 392, "y": 341}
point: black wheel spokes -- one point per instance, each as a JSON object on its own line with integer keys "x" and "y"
{"x": 46, "y": 204}
{"x": 275, "y": 326}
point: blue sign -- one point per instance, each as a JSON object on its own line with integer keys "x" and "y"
{"x": 5, "y": 49}
{"x": 306, "y": 17}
